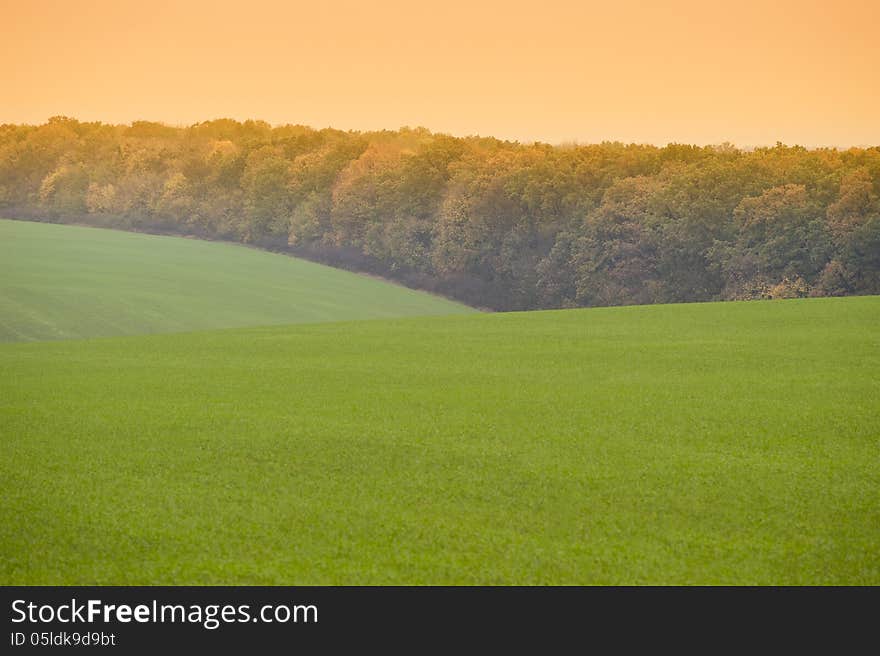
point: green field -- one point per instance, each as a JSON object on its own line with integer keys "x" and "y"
{"x": 59, "y": 282}
{"x": 681, "y": 444}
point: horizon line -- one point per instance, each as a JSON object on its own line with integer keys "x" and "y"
{"x": 572, "y": 142}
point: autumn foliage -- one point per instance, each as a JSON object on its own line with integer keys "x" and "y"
{"x": 493, "y": 223}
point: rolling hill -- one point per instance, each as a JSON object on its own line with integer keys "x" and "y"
{"x": 690, "y": 444}
{"x": 59, "y": 281}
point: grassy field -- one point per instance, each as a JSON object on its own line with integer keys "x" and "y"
{"x": 60, "y": 282}
{"x": 708, "y": 443}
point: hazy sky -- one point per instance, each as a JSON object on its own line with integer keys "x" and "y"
{"x": 687, "y": 71}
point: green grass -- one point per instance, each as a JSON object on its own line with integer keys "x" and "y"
{"x": 706, "y": 443}
{"x": 59, "y": 282}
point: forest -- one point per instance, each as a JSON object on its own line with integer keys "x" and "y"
{"x": 497, "y": 224}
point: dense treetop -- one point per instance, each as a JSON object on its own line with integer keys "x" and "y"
{"x": 494, "y": 223}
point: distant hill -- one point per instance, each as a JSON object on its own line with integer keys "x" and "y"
{"x": 60, "y": 282}
{"x": 490, "y": 223}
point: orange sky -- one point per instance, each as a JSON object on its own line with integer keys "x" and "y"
{"x": 687, "y": 71}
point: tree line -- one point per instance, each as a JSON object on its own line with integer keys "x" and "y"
{"x": 496, "y": 224}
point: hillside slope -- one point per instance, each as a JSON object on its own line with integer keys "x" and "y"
{"x": 709, "y": 443}
{"x": 60, "y": 282}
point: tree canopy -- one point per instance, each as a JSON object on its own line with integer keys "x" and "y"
{"x": 493, "y": 223}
